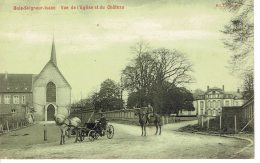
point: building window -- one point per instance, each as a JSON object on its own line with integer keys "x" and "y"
{"x": 201, "y": 104}
{"x": 16, "y": 99}
{"x": 226, "y": 103}
{"x": 13, "y": 111}
{"x": 7, "y": 99}
{"x": 214, "y": 104}
{"x": 23, "y": 99}
{"x": 210, "y": 112}
{"x": 51, "y": 92}
{"x": 214, "y": 112}
{"x": 236, "y": 103}
{"x": 218, "y": 104}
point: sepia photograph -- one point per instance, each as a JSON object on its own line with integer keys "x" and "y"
{"x": 127, "y": 79}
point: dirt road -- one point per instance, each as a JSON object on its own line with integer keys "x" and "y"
{"x": 127, "y": 143}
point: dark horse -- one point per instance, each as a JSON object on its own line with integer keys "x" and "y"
{"x": 157, "y": 123}
{"x": 144, "y": 115}
{"x": 143, "y": 119}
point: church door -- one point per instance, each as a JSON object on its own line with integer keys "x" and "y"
{"x": 50, "y": 112}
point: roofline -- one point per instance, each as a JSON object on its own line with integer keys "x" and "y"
{"x": 17, "y": 92}
{"x": 50, "y": 62}
{"x": 229, "y": 107}
{"x": 16, "y": 74}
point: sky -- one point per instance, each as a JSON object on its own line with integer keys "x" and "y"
{"x": 93, "y": 45}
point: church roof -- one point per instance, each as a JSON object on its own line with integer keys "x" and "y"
{"x": 21, "y": 83}
{"x": 53, "y": 53}
{"x": 50, "y": 62}
{"x": 53, "y": 62}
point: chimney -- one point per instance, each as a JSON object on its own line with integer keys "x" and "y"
{"x": 207, "y": 88}
{"x": 223, "y": 87}
{"x": 238, "y": 90}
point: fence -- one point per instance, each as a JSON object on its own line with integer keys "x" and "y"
{"x": 210, "y": 123}
{"x": 12, "y": 121}
{"x": 248, "y": 114}
{"x": 128, "y": 115}
{"x": 84, "y": 115}
{"x": 123, "y": 116}
{"x": 222, "y": 124}
{"x": 233, "y": 119}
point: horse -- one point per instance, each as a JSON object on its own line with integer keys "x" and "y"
{"x": 143, "y": 116}
{"x": 65, "y": 124}
{"x": 157, "y": 123}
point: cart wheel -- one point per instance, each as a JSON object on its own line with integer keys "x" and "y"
{"x": 91, "y": 135}
{"x": 110, "y": 131}
{"x": 96, "y": 135}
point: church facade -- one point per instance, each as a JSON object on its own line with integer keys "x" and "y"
{"x": 46, "y": 93}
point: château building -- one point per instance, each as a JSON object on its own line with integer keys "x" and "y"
{"x": 211, "y": 102}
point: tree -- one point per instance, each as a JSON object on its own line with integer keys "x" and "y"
{"x": 150, "y": 69}
{"x": 151, "y": 76}
{"x": 248, "y": 85}
{"x": 197, "y": 92}
{"x": 109, "y": 96}
{"x": 171, "y": 66}
{"x": 172, "y": 100}
{"x": 239, "y": 39}
{"x": 139, "y": 76}
{"x": 239, "y": 34}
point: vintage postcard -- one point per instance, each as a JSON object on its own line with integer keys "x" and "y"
{"x": 127, "y": 79}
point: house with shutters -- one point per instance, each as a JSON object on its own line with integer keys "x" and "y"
{"x": 214, "y": 99}
{"x": 16, "y": 95}
{"x": 46, "y": 93}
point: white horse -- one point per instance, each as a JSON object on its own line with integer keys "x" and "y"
{"x": 65, "y": 124}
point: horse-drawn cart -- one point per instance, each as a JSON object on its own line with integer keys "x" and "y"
{"x": 95, "y": 130}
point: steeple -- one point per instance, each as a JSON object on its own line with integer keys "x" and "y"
{"x": 53, "y": 53}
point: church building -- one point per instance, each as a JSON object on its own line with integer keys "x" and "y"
{"x": 46, "y": 93}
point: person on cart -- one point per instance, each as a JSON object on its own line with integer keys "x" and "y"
{"x": 102, "y": 123}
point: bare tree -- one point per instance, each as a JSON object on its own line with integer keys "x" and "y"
{"x": 139, "y": 76}
{"x": 149, "y": 70}
{"x": 172, "y": 66}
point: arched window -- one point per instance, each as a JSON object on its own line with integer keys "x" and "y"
{"x": 214, "y": 104}
{"x": 201, "y": 104}
{"x": 51, "y": 92}
{"x": 218, "y": 105}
